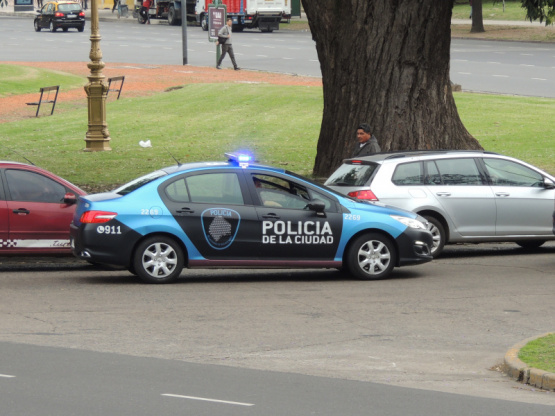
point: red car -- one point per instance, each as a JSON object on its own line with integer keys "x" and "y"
{"x": 36, "y": 208}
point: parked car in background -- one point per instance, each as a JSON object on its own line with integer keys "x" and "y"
{"x": 63, "y": 15}
{"x": 36, "y": 208}
{"x": 466, "y": 196}
{"x": 239, "y": 214}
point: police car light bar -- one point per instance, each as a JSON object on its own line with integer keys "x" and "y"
{"x": 242, "y": 159}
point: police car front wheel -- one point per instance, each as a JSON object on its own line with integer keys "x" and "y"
{"x": 158, "y": 259}
{"x": 371, "y": 256}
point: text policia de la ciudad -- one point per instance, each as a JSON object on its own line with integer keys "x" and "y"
{"x": 296, "y": 232}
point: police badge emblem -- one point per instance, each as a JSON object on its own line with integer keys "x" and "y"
{"x": 220, "y": 226}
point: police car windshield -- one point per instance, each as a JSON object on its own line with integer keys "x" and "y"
{"x": 137, "y": 183}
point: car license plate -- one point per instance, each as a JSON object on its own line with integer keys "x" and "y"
{"x": 71, "y": 16}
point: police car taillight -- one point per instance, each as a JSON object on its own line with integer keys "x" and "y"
{"x": 367, "y": 195}
{"x": 97, "y": 217}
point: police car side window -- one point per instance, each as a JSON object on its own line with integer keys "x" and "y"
{"x": 177, "y": 191}
{"x": 280, "y": 193}
{"x": 215, "y": 188}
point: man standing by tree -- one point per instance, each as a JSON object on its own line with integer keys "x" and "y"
{"x": 367, "y": 143}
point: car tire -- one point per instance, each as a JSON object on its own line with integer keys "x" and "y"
{"x": 81, "y": 28}
{"x": 438, "y": 232}
{"x": 530, "y": 244}
{"x": 371, "y": 256}
{"x": 52, "y": 27}
{"x": 158, "y": 259}
{"x": 37, "y": 26}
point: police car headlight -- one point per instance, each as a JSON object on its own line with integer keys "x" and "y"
{"x": 409, "y": 222}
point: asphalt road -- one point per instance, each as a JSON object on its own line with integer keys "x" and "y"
{"x": 443, "y": 326}
{"x": 46, "y": 381}
{"x": 480, "y": 66}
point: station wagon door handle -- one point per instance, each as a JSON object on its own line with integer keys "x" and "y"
{"x": 185, "y": 210}
{"x": 21, "y": 211}
{"x": 271, "y": 216}
{"x": 502, "y": 194}
{"x": 443, "y": 193}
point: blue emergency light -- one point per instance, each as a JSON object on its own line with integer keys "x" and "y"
{"x": 242, "y": 159}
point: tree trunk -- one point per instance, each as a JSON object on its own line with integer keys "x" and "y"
{"x": 385, "y": 62}
{"x": 477, "y": 17}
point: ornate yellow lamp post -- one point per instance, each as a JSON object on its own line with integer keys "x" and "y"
{"x": 97, "y": 137}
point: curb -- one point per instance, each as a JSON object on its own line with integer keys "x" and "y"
{"x": 518, "y": 370}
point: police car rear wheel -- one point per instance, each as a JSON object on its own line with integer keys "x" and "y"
{"x": 158, "y": 260}
{"x": 371, "y": 257}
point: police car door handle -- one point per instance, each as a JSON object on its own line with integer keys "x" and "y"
{"x": 185, "y": 210}
{"x": 21, "y": 211}
{"x": 271, "y": 215}
{"x": 443, "y": 193}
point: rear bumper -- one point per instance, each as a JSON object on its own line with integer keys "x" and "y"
{"x": 69, "y": 23}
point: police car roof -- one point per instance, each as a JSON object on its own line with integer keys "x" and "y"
{"x": 218, "y": 164}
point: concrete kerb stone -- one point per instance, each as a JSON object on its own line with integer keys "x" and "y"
{"x": 518, "y": 370}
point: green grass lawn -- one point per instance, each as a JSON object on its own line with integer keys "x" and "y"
{"x": 25, "y": 79}
{"x": 540, "y": 353}
{"x": 280, "y": 124}
{"x": 492, "y": 10}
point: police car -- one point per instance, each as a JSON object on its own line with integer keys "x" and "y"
{"x": 240, "y": 214}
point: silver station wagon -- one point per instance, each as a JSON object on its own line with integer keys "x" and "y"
{"x": 466, "y": 196}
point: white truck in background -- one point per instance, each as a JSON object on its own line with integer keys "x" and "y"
{"x": 248, "y": 14}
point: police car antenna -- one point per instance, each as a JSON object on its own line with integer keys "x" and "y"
{"x": 17, "y": 153}
{"x": 176, "y": 161}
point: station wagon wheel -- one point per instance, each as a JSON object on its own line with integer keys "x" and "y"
{"x": 37, "y": 26}
{"x": 52, "y": 27}
{"x": 438, "y": 233}
{"x": 530, "y": 244}
{"x": 371, "y": 256}
{"x": 158, "y": 259}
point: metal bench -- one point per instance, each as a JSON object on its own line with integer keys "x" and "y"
{"x": 47, "y": 100}
{"x": 115, "y": 80}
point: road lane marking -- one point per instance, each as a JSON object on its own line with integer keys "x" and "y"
{"x": 539, "y": 79}
{"x": 6, "y": 376}
{"x": 204, "y": 399}
{"x": 500, "y": 76}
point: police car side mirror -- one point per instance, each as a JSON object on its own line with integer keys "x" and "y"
{"x": 317, "y": 206}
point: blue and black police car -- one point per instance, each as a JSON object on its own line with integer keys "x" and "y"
{"x": 240, "y": 214}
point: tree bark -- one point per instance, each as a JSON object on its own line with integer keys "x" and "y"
{"x": 477, "y": 17}
{"x": 385, "y": 62}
